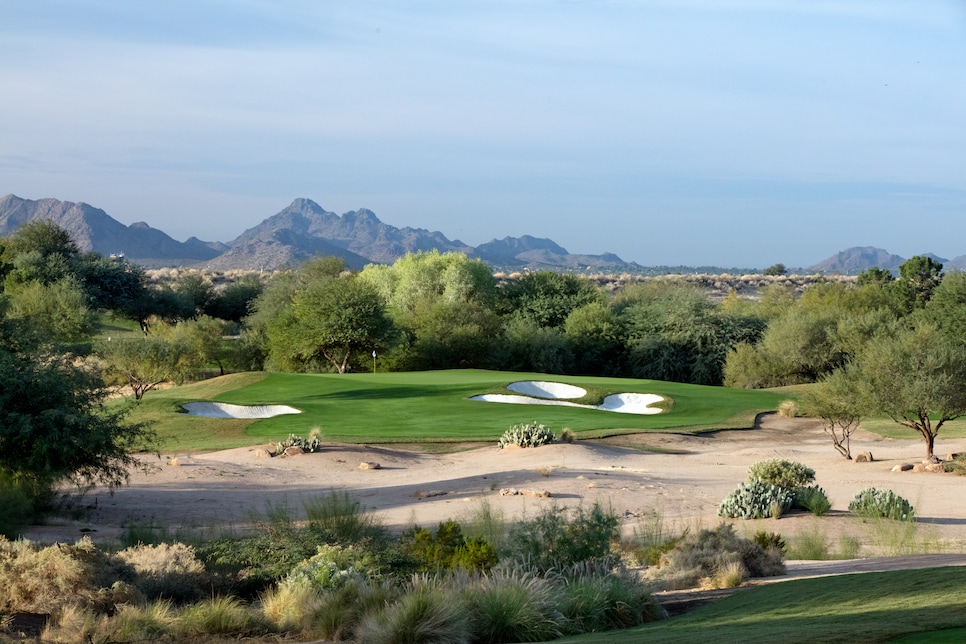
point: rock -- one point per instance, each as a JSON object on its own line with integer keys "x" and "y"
{"x": 512, "y": 491}
{"x": 863, "y": 457}
{"x": 931, "y": 460}
{"x": 261, "y": 452}
{"x": 428, "y": 495}
{"x": 919, "y": 467}
{"x": 903, "y": 467}
{"x": 937, "y": 468}
{"x": 369, "y": 465}
{"x": 293, "y": 451}
{"x": 952, "y": 457}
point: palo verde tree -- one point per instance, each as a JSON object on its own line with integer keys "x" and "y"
{"x": 916, "y": 377}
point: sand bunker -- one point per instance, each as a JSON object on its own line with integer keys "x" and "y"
{"x": 225, "y": 410}
{"x": 549, "y": 393}
{"x": 552, "y": 390}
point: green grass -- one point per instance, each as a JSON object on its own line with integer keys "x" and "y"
{"x": 433, "y": 406}
{"x": 870, "y": 607}
{"x": 888, "y": 428}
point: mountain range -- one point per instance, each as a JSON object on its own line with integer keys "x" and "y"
{"x": 304, "y": 230}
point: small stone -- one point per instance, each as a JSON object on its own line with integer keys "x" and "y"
{"x": 369, "y": 465}
{"x": 261, "y": 452}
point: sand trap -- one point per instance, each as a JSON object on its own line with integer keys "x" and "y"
{"x": 552, "y": 390}
{"x": 632, "y": 403}
{"x": 225, "y": 410}
{"x": 619, "y": 403}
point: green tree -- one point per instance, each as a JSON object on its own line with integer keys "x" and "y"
{"x": 37, "y": 251}
{"x": 837, "y": 401}
{"x": 918, "y": 278}
{"x": 142, "y": 363}
{"x": 330, "y": 319}
{"x": 197, "y": 288}
{"x": 56, "y": 312}
{"x": 597, "y": 338}
{"x": 545, "y": 298}
{"x": 916, "y": 377}
{"x": 236, "y": 301}
{"x": 775, "y": 270}
{"x": 875, "y": 276}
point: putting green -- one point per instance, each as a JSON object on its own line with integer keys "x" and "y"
{"x": 437, "y": 406}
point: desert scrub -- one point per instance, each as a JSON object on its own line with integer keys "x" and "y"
{"x": 755, "y": 500}
{"x": 707, "y": 553}
{"x": 813, "y": 499}
{"x": 782, "y": 473}
{"x": 169, "y": 571}
{"x": 526, "y": 435}
{"x": 598, "y": 598}
{"x": 311, "y": 444}
{"x": 556, "y": 539}
{"x": 788, "y": 409}
{"x": 886, "y": 504}
{"x": 448, "y": 548}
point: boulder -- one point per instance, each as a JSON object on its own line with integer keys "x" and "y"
{"x": 261, "y": 452}
{"x": 293, "y": 451}
{"x": 937, "y": 468}
{"x": 919, "y": 467}
{"x": 863, "y": 457}
{"x": 903, "y": 467}
{"x": 369, "y": 465}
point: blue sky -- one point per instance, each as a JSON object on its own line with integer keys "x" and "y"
{"x": 721, "y": 133}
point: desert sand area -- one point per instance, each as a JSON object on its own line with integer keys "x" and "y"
{"x": 684, "y": 481}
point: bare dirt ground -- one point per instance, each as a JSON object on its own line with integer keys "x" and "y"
{"x": 684, "y": 483}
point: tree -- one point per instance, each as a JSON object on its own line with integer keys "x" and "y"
{"x": 197, "y": 288}
{"x": 545, "y": 298}
{"x": 235, "y": 301}
{"x": 54, "y": 425}
{"x": 331, "y": 318}
{"x": 57, "y": 312}
{"x": 775, "y": 270}
{"x": 836, "y": 400}
{"x": 918, "y": 278}
{"x": 142, "y": 363}
{"x": 916, "y": 377}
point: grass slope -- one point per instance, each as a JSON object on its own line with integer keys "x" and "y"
{"x": 869, "y": 607}
{"x": 429, "y": 406}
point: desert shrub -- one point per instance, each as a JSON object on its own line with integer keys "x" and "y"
{"x": 812, "y": 545}
{"x": 755, "y": 499}
{"x": 596, "y": 598}
{"x": 166, "y": 571}
{"x": 333, "y": 566}
{"x": 526, "y": 435}
{"x": 310, "y": 444}
{"x": 811, "y": 498}
{"x": 701, "y": 556}
{"x": 782, "y": 473}
{"x": 448, "y": 549}
{"x": 650, "y": 540}
{"x": 424, "y": 614}
{"x": 875, "y": 503}
{"x": 558, "y": 539}
{"x": 568, "y": 435}
{"x": 788, "y": 409}
{"x": 290, "y": 607}
{"x": 148, "y": 623}
{"x": 44, "y": 580}
{"x": 341, "y": 518}
{"x": 770, "y": 540}
{"x": 342, "y": 610}
{"x": 512, "y": 605}
{"x": 957, "y": 465}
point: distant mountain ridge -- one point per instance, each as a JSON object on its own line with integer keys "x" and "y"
{"x": 304, "y": 229}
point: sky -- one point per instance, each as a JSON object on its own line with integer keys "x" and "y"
{"x": 676, "y": 132}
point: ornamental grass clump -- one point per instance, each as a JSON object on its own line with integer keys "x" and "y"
{"x": 874, "y": 503}
{"x": 526, "y": 435}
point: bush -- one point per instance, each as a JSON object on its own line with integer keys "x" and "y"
{"x": 755, "y": 500}
{"x": 782, "y": 473}
{"x": 341, "y": 518}
{"x": 17, "y": 503}
{"x": 771, "y": 540}
{"x": 333, "y": 567}
{"x": 710, "y": 552}
{"x": 512, "y": 606}
{"x": 448, "y": 549}
{"x": 168, "y": 571}
{"x": 788, "y": 409}
{"x": 598, "y": 599}
{"x": 310, "y": 445}
{"x": 813, "y": 499}
{"x": 552, "y": 539}
{"x": 423, "y": 615}
{"x": 873, "y": 503}
{"x": 526, "y": 435}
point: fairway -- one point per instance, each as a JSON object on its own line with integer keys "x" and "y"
{"x": 436, "y": 407}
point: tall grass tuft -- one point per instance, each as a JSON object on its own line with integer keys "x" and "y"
{"x": 426, "y": 614}
{"x": 595, "y": 598}
{"x": 812, "y": 545}
{"x": 513, "y": 606}
{"x": 342, "y": 517}
{"x": 220, "y": 616}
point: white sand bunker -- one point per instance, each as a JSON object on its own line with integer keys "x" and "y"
{"x": 225, "y": 410}
{"x": 552, "y": 390}
{"x": 550, "y": 393}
